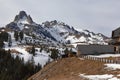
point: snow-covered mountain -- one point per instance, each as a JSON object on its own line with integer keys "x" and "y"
{"x": 67, "y": 34}
{"x": 54, "y": 31}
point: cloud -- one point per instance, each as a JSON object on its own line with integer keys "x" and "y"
{"x": 96, "y": 15}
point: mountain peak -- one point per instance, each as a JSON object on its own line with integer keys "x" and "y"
{"x": 22, "y": 16}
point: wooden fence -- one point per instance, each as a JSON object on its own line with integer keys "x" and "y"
{"x": 101, "y": 59}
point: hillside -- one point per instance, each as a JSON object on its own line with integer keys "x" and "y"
{"x": 75, "y": 69}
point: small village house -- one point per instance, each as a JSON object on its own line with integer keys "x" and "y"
{"x": 94, "y": 49}
{"x": 116, "y": 39}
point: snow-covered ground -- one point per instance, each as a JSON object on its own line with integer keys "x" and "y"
{"x": 105, "y": 55}
{"x": 40, "y": 57}
{"x": 99, "y": 77}
{"x": 104, "y": 76}
{"x": 112, "y": 66}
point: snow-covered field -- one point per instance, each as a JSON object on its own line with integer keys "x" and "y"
{"x": 112, "y": 66}
{"x": 105, "y": 55}
{"x": 40, "y": 57}
{"x": 99, "y": 77}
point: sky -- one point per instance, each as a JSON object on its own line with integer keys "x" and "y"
{"x": 99, "y": 16}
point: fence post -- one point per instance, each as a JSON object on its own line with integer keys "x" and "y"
{"x": 100, "y": 59}
{"x": 91, "y": 58}
{"x": 111, "y": 61}
{"x": 88, "y": 57}
{"x": 106, "y": 60}
{"x": 83, "y": 56}
{"x": 103, "y": 60}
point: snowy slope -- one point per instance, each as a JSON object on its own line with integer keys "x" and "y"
{"x": 64, "y": 33}
{"x": 41, "y": 57}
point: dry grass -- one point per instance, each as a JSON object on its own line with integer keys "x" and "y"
{"x": 14, "y": 51}
{"x": 70, "y": 68}
{"x": 28, "y": 48}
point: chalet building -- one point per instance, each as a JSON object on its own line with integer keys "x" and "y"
{"x": 116, "y": 39}
{"x": 94, "y": 49}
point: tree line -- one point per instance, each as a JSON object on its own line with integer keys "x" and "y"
{"x": 14, "y": 68}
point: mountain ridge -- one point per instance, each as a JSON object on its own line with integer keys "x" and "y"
{"x": 54, "y": 31}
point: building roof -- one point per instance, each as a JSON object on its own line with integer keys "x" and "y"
{"x": 116, "y": 33}
{"x": 95, "y": 49}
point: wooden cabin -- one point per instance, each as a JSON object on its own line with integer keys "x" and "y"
{"x": 116, "y": 39}
{"x": 94, "y": 49}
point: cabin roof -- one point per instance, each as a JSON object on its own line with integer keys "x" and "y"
{"x": 116, "y": 33}
{"x": 94, "y": 49}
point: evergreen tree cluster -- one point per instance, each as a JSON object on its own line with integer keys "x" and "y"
{"x": 15, "y": 68}
{"x": 32, "y": 51}
{"x": 4, "y": 36}
{"x": 54, "y": 53}
{"x": 18, "y": 35}
{"x": 1, "y": 44}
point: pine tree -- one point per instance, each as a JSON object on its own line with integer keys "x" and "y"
{"x": 1, "y": 44}
{"x": 12, "y": 68}
{"x": 16, "y": 35}
{"x": 41, "y": 49}
{"x": 33, "y": 51}
{"x": 21, "y": 35}
{"x": 4, "y": 36}
{"x": 66, "y": 51}
{"x": 9, "y": 40}
{"x": 54, "y": 53}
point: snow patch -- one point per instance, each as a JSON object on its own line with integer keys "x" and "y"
{"x": 112, "y": 66}
{"x": 106, "y": 55}
{"x": 97, "y": 77}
